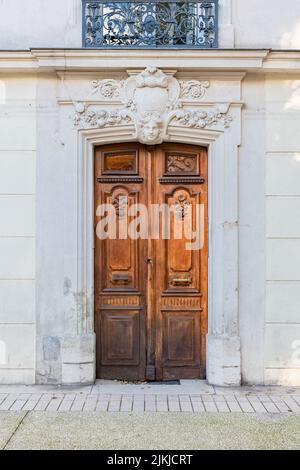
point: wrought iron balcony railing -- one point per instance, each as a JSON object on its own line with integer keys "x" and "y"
{"x": 150, "y": 24}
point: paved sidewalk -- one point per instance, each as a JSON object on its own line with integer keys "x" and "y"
{"x": 190, "y": 396}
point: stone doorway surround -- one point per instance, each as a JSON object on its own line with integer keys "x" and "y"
{"x": 79, "y": 109}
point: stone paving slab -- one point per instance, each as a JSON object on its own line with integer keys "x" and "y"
{"x": 185, "y": 386}
{"x": 257, "y": 390}
{"x": 190, "y": 396}
{"x": 29, "y": 389}
{"x": 54, "y": 430}
{"x": 151, "y": 403}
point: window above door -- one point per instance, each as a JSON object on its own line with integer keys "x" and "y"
{"x": 150, "y": 24}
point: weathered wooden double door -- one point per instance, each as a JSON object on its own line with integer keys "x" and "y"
{"x": 150, "y": 286}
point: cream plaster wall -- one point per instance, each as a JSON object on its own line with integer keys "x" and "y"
{"x": 269, "y": 235}
{"x": 243, "y": 24}
{"x": 17, "y": 228}
{"x": 252, "y": 229}
{"x": 56, "y": 23}
{"x": 282, "y": 330}
{"x": 269, "y": 228}
{"x": 266, "y": 23}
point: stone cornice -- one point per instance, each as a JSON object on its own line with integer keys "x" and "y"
{"x": 217, "y": 60}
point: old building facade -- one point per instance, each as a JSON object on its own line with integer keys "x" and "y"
{"x": 91, "y": 112}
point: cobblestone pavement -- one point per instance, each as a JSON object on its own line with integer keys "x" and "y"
{"x": 192, "y": 397}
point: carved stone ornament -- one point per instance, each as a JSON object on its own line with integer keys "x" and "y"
{"x": 150, "y": 101}
{"x": 108, "y": 89}
{"x": 202, "y": 119}
{"x": 86, "y": 118}
{"x": 193, "y": 89}
{"x": 151, "y": 96}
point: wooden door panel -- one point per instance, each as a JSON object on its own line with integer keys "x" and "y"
{"x": 120, "y": 337}
{"x": 181, "y": 338}
{"x": 121, "y": 255}
{"x": 182, "y": 265}
{"x": 120, "y": 268}
{"x": 120, "y": 162}
{"x": 181, "y": 273}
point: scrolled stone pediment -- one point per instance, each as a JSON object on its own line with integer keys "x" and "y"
{"x": 150, "y": 101}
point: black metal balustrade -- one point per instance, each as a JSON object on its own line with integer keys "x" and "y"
{"x": 150, "y": 24}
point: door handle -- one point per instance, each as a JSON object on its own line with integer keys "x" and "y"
{"x": 149, "y": 261}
